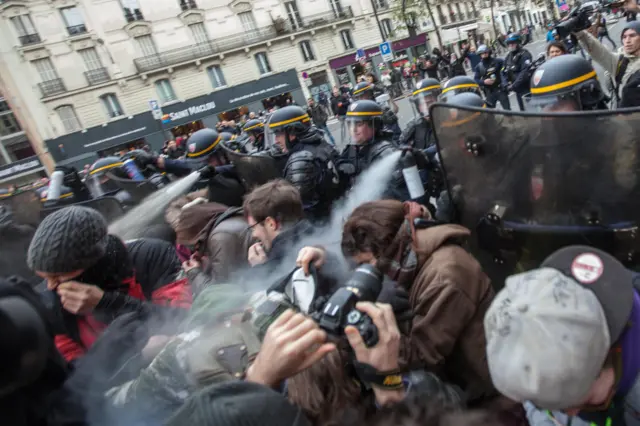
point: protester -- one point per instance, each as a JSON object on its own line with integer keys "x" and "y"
{"x": 319, "y": 116}
{"x": 556, "y": 48}
{"x": 340, "y": 105}
{"x": 582, "y": 305}
{"x": 90, "y": 277}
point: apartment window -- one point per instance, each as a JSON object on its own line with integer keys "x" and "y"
{"x": 307, "y": 51}
{"x": 146, "y": 45}
{"x": 381, "y": 4}
{"x": 90, "y": 58}
{"x": 387, "y": 28}
{"x": 248, "y": 21}
{"x": 263, "y": 63}
{"x": 199, "y": 33}
{"x": 188, "y": 4}
{"x": 165, "y": 91}
{"x": 336, "y": 6}
{"x": 216, "y": 76}
{"x": 45, "y": 69}
{"x": 8, "y": 122}
{"x": 294, "y": 14}
{"x": 131, "y": 9}
{"x": 112, "y": 105}
{"x": 69, "y": 118}
{"x": 73, "y": 20}
{"x": 347, "y": 41}
{"x": 27, "y": 33}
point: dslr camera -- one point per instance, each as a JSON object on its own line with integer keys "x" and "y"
{"x": 339, "y": 311}
{"x": 576, "y": 20}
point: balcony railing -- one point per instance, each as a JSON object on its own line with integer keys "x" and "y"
{"x": 52, "y": 87}
{"x": 132, "y": 15}
{"x": 97, "y": 76}
{"x": 28, "y": 39}
{"x": 77, "y": 29}
{"x": 442, "y": 19}
{"x": 188, "y": 5}
{"x": 194, "y": 52}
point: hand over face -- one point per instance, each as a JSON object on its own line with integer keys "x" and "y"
{"x": 79, "y": 298}
{"x": 256, "y": 255}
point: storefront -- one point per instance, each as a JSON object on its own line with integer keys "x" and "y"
{"x": 178, "y": 120}
{"x": 348, "y": 70}
{"x": 22, "y": 172}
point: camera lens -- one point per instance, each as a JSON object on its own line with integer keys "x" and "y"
{"x": 367, "y": 281}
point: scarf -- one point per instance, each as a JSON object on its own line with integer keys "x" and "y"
{"x": 400, "y": 261}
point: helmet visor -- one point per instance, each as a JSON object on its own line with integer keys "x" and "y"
{"x": 100, "y": 184}
{"x": 553, "y": 103}
{"x": 424, "y": 100}
{"x": 275, "y": 139}
{"x": 463, "y": 88}
{"x": 360, "y": 131}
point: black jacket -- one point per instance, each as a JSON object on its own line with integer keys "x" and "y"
{"x": 318, "y": 115}
{"x": 340, "y": 104}
{"x": 418, "y": 133}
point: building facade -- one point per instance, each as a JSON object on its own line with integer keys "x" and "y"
{"x": 98, "y": 76}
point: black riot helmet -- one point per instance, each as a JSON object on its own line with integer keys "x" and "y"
{"x": 255, "y": 129}
{"x": 98, "y": 180}
{"x": 291, "y": 122}
{"x": 459, "y": 117}
{"x": 426, "y": 94}
{"x": 363, "y": 91}
{"x": 364, "y": 121}
{"x": 459, "y": 84}
{"x": 565, "y": 83}
{"x": 202, "y": 144}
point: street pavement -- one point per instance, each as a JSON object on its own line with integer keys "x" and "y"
{"x": 406, "y": 110}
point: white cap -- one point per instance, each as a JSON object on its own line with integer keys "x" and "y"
{"x": 547, "y": 339}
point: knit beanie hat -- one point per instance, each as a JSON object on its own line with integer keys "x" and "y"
{"x": 70, "y": 239}
{"x": 238, "y": 403}
{"x": 633, "y": 25}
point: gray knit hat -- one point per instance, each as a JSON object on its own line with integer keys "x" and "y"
{"x": 70, "y": 239}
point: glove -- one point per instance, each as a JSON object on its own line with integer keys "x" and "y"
{"x": 144, "y": 159}
{"x": 207, "y": 172}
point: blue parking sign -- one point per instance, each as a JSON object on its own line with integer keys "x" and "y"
{"x": 386, "y": 52}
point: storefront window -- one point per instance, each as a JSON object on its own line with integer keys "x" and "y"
{"x": 279, "y": 101}
{"x": 234, "y": 114}
{"x": 343, "y": 76}
{"x": 185, "y": 130}
{"x": 122, "y": 149}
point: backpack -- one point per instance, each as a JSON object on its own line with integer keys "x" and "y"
{"x": 630, "y": 96}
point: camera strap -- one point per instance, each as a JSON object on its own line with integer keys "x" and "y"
{"x": 368, "y": 375}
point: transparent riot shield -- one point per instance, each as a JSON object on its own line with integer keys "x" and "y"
{"x": 527, "y": 184}
{"x": 138, "y": 190}
{"x": 258, "y": 168}
{"x": 25, "y": 207}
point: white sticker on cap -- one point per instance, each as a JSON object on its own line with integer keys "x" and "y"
{"x": 537, "y": 77}
{"x": 587, "y": 268}
{"x": 192, "y": 147}
{"x": 353, "y": 106}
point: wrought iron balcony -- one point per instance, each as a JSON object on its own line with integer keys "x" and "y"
{"x": 52, "y": 87}
{"x": 188, "y": 5}
{"x": 28, "y": 39}
{"x": 97, "y": 76}
{"x": 442, "y": 19}
{"x": 132, "y": 15}
{"x": 453, "y": 17}
{"x": 236, "y": 41}
{"x": 77, "y": 29}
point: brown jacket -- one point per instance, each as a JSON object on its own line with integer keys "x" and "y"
{"x": 449, "y": 297}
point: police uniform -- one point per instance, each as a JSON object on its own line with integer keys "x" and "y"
{"x": 310, "y": 160}
{"x": 516, "y": 65}
{"x": 419, "y": 133}
{"x": 491, "y": 68}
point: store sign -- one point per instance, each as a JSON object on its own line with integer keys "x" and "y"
{"x": 188, "y": 112}
{"x": 19, "y": 167}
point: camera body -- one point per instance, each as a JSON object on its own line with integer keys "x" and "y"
{"x": 576, "y": 20}
{"x": 340, "y": 310}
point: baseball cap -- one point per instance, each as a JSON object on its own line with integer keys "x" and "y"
{"x": 549, "y": 331}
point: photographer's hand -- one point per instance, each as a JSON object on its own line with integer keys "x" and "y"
{"x": 292, "y": 344}
{"x": 308, "y": 255}
{"x": 383, "y": 356}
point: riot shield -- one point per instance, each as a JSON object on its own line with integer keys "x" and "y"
{"x": 527, "y": 184}
{"x": 255, "y": 169}
{"x": 138, "y": 190}
{"x": 25, "y": 207}
{"x": 110, "y": 208}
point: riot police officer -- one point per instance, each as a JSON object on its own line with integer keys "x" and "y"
{"x": 516, "y": 66}
{"x": 205, "y": 155}
{"x": 459, "y": 84}
{"x": 311, "y": 161}
{"x": 254, "y": 131}
{"x": 419, "y": 133}
{"x": 488, "y": 74}
{"x": 566, "y": 83}
{"x": 368, "y": 91}
{"x": 98, "y": 178}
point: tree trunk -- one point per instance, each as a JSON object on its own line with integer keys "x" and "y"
{"x": 435, "y": 26}
{"x": 493, "y": 21}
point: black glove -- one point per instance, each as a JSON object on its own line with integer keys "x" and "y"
{"x": 207, "y": 172}
{"x": 144, "y": 159}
